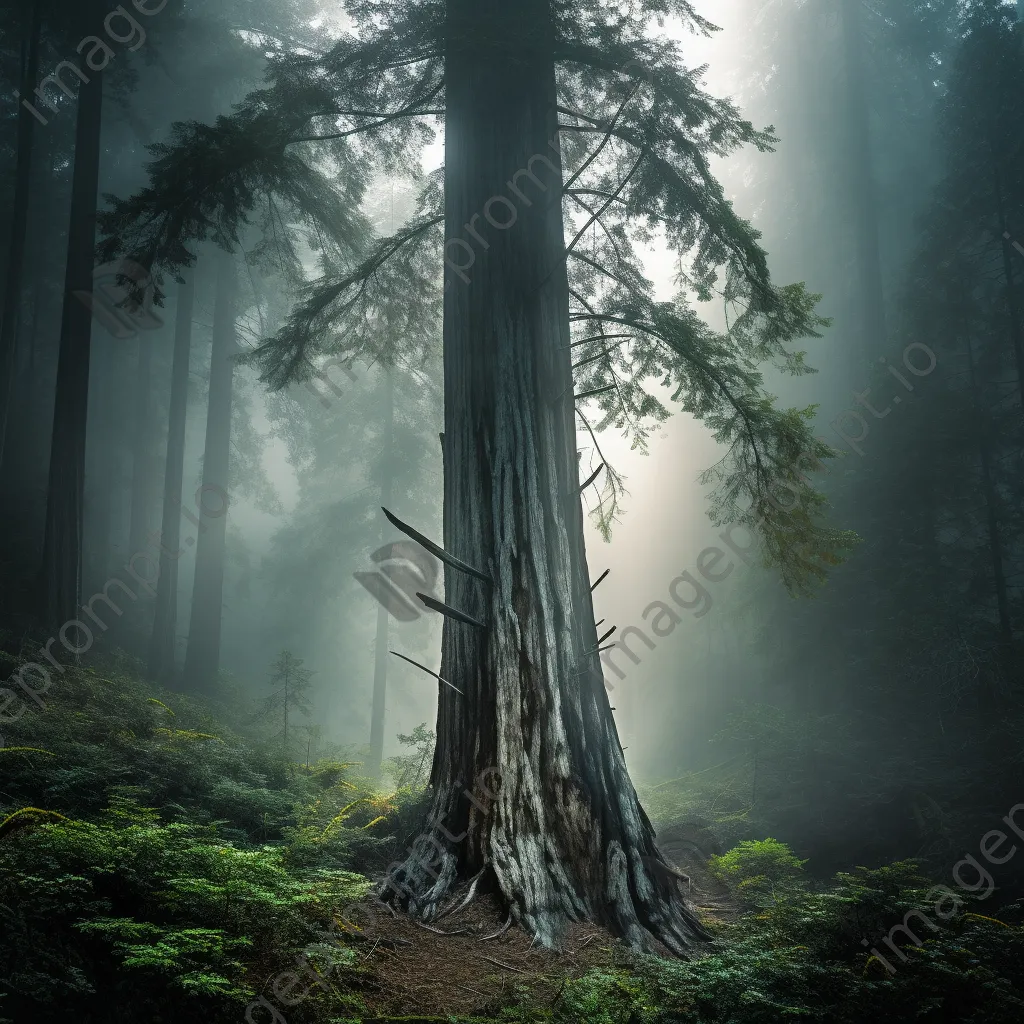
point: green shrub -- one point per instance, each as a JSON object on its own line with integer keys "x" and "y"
{"x": 756, "y": 861}
{"x": 153, "y": 907}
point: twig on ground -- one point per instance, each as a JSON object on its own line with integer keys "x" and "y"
{"x": 498, "y": 963}
{"x": 441, "y": 931}
{"x": 558, "y": 995}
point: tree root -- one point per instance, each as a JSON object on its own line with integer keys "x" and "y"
{"x": 501, "y": 931}
{"x": 441, "y": 931}
{"x": 469, "y": 898}
{"x": 634, "y": 893}
{"x": 387, "y": 906}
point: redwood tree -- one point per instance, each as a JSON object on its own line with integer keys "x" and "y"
{"x": 559, "y": 119}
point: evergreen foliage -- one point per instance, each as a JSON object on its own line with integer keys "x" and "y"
{"x": 290, "y": 684}
{"x": 637, "y": 136}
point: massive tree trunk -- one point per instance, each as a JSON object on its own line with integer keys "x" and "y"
{"x": 62, "y": 546}
{"x": 565, "y": 838}
{"x": 380, "y": 663}
{"x": 19, "y": 224}
{"x": 202, "y": 659}
{"x": 165, "y": 619}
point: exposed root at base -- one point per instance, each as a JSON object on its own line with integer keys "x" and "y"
{"x": 469, "y": 898}
{"x": 501, "y": 931}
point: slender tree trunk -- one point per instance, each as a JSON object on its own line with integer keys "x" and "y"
{"x": 380, "y": 665}
{"x": 565, "y": 837}
{"x": 1009, "y": 279}
{"x": 995, "y": 544}
{"x": 62, "y": 546}
{"x": 285, "y": 734}
{"x": 23, "y": 471}
{"x": 28, "y": 467}
{"x": 143, "y": 467}
{"x": 202, "y": 659}
{"x": 165, "y": 620}
{"x": 104, "y": 461}
{"x": 870, "y": 291}
{"x": 19, "y": 226}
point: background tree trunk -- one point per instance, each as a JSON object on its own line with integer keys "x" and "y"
{"x": 105, "y": 436}
{"x": 144, "y": 469}
{"x": 1012, "y": 309}
{"x": 380, "y": 665}
{"x": 62, "y": 545}
{"x": 566, "y": 838}
{"x": 19, "y": 225}
{"x": 202, "y": 658}
{"x": 165, "y": 620}
{"x": 983, "y": 432}
{"x": 862, "y": 188}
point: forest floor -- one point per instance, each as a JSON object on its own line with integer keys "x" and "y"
{"x": 409, "y": 969}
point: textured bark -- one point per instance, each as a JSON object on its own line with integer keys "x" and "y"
{"x": 165, "y": 619}
{"x": 380, "y": 664}
{"x": 19, "y": 225}
{"x": 202, "y": 659}
{"x": 62, "y": 546}
{"x": 565, "y": 837}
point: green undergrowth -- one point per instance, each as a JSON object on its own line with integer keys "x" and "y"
{"x": 796, "y": 954}
{"x": 159, "y": 864}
